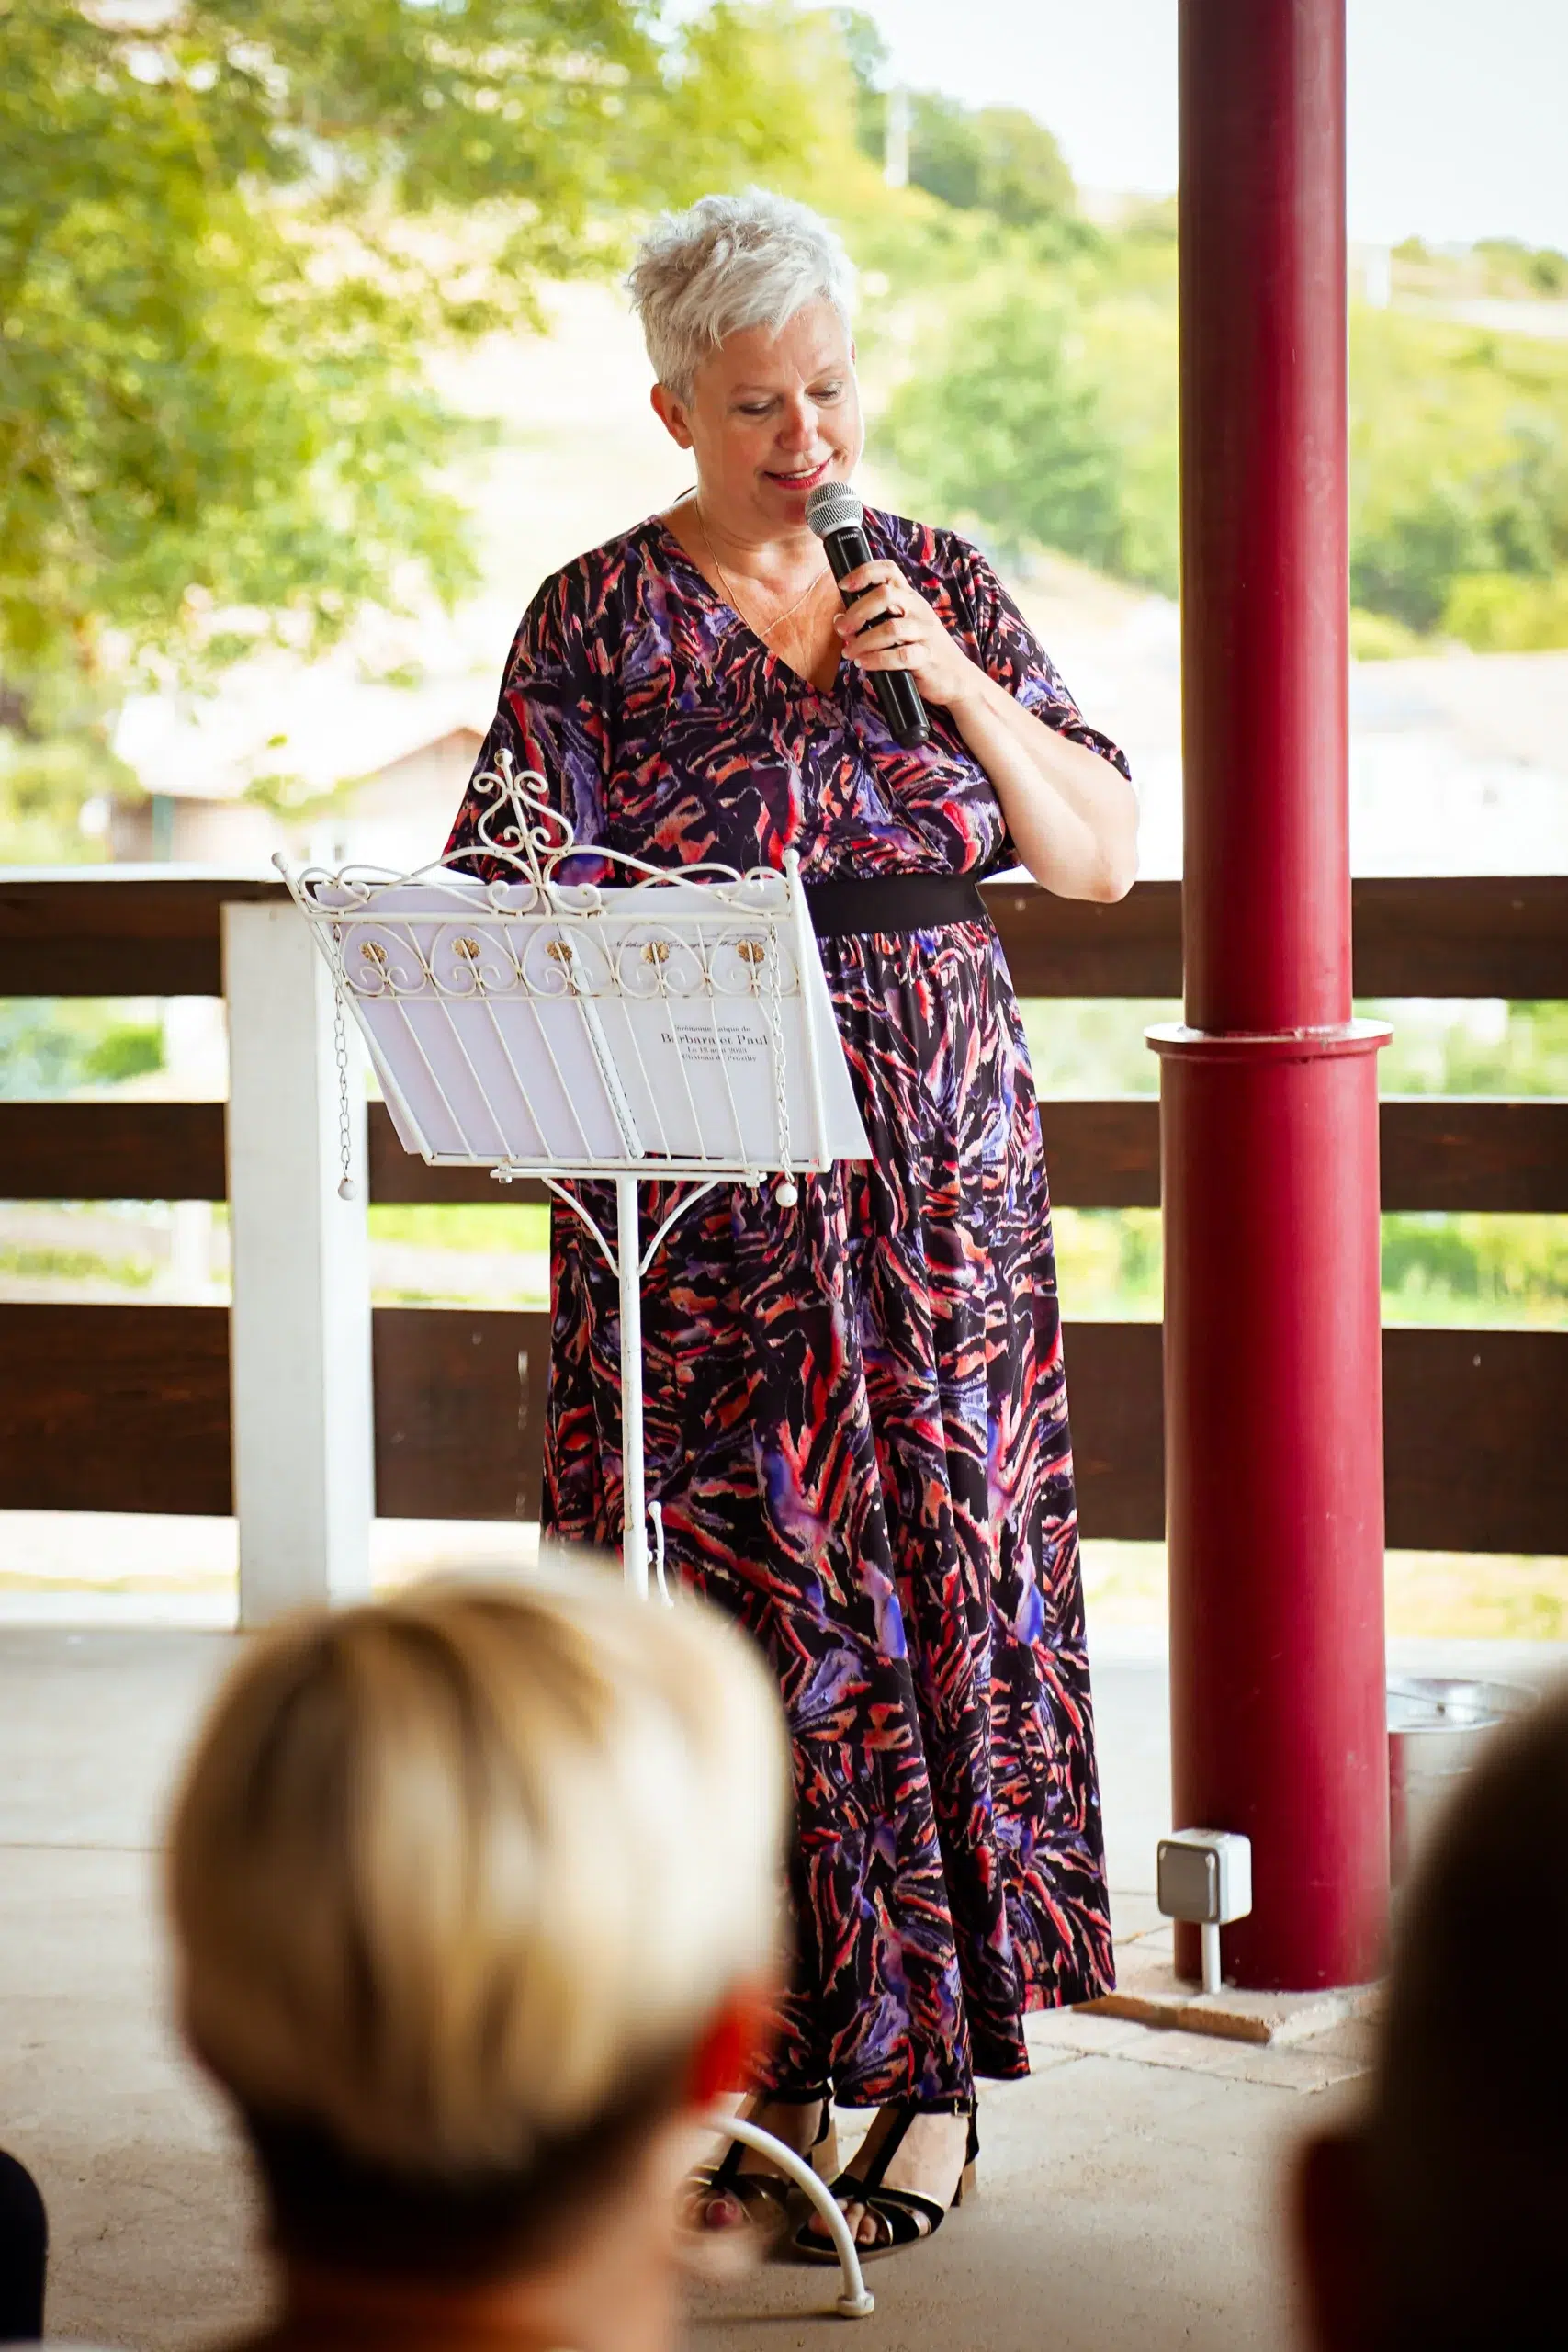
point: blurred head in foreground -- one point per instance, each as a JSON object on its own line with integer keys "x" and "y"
{"x": 474, "y": 1895}
{"x": 1436, "y": 2223}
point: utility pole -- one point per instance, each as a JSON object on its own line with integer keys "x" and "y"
{"x": 896, "y": 138}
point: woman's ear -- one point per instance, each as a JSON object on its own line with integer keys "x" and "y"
{"x": 671, "y": 414}
{"x": 725, "y": 2056}
{"x": 1332, "y": 2228}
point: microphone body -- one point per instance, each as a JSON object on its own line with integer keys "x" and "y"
{"x": 837, "y": 516}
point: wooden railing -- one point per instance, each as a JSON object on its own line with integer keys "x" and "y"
{"x": 110, "y": 1407}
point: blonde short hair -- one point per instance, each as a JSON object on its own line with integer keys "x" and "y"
{"x": 449, "y": 1871}
{"x": 731, "y": 262}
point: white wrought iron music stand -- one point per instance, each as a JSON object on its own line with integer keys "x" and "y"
{"x": 666, "y": 1025}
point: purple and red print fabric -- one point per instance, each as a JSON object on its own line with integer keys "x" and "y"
{"x": 856, "y": 1415}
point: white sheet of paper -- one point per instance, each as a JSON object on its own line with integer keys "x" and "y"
{"x": 658, "y": 1067}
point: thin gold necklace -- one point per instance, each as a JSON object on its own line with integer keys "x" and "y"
{"x": 779, "y": 618}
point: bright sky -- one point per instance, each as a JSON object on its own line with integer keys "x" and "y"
{"x": 1458, "y": 108}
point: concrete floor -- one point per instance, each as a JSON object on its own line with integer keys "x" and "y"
{"x": 1128, "y": 2188}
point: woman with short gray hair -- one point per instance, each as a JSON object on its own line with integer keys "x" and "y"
{"x": 856, "y": 1420}
{"x": 732, "y": 262}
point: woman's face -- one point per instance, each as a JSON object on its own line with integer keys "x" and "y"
{"x": 770, "y": 416}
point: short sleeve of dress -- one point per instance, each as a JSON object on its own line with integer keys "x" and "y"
{"x": 1015, "y": 657}
{"x": 551, "y": 716}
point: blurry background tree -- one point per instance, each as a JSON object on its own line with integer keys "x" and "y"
{"x": 1011, "y": 432}
{"x": 995, "y": 158}
{"x": 1460, "y": 456}
{"x": 230, "y": 232}
{"x": 1045, "y": 409}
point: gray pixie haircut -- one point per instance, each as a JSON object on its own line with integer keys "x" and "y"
{"x": 731, "y": 262}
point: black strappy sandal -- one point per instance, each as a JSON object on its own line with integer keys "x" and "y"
{"x": 903, "y": 2216}
{"x": 750, "y": 2190}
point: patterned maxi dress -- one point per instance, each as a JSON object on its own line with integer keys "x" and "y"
{"x": 856, "y": 1417}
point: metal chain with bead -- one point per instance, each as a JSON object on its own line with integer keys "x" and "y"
{"x": 345, "y": 1127}
{"x": 786, "y": 1191}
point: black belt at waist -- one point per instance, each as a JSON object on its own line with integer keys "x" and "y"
{"x": 893, "y": 902}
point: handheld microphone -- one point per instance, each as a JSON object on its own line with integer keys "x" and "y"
{"x": 837, "y": 516}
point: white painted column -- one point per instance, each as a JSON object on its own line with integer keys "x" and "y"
{"x": 300, "y": 1325}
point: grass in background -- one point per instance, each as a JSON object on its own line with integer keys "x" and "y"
{"x": 507, "y": 1225}
{"x": 1488, "y": 1270}
{"x": 24, "y": 1264}
{"x": 1431, "y": 1596}
{"x": 1472, "y": 1046}
{"x": 58, "y": 1045}
{"x": 1109, "y": 1264}
{"x": 1094, "y": 1047}
{"x": 1089, "y": 1047}
{"x": 1472, "y": 1267}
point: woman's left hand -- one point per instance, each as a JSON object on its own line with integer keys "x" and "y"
{"x": 895, "y": 628}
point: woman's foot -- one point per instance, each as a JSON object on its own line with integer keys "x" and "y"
{"x": 740, "y": 2204}
{"x": 917, "y": 2161}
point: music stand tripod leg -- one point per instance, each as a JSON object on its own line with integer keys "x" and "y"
{"x": 633, "y": 1514}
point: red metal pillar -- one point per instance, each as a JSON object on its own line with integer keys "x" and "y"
{"x": 1268, "y": 1094}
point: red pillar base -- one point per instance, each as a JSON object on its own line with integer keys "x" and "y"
{"x": 1274, "y": 1501}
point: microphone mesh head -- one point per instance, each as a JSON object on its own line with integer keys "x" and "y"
{"x": 833, "y": 506}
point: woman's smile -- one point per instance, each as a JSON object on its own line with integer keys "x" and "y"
{"x": 800, "y": 478}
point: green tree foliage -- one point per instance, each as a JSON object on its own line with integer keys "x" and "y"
{"x": 1044, "y": 411}
{"x": 866, "y": 54}
{"x": 1501, "y": 267}
{"x": 228, "y": 231}
{"x": 1472, "y": 1267}
{"x": 1543, "y": 269}
{"x": 50, "y": 1047}
{"x": 1466, "y": 1049}
{"x": 994, "y": 159}
{"x": 1459, "y": 446}
{"x": 946, "y": 152}
{"x": 47, "y": 776}
{"x": 1020, "y": 174}
{"x": 1009, "y": 432}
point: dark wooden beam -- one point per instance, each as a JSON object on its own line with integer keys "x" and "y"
{"x": 1073, "y": 947}
{"x": 125, "y": 931}
{"x": 1102, "y": 1155}
{"x": 115, "y": 1408}
{"x": 114, "y": 931}
{"x": 459, "y": 1412}
{"x": 1473, "y": 1423}
{"x": 1462, "y": 935}
{"x": 112, "y": 1151}
{"x": 1438, "y": 1152}
{"x": 126, "y": 1409}
{"x": 1467, "y": 1152}
{"x": 1115, "y": 1398}
{"x": 396, "y": 1175}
